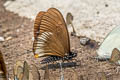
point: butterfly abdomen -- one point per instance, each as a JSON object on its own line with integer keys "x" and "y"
{"x": 51, "y": 59}
{"x": 57, "y": 58}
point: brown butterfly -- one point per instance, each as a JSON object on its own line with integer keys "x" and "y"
{"x": 51, "y": 37}
{"x": 69, "y": 19}
{"x": 3, "y": 71}
{"x": 115, "y": 55}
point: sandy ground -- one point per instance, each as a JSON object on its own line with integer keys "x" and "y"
{"x": 94, "y": 19}
{"x": 18, "y": 33}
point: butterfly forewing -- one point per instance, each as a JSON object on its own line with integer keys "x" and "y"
{"x": 51, "y": 35}
{"x": 37, "y": 27}
{"x": 115, "y": 55}
{"x": 37, "y": 23}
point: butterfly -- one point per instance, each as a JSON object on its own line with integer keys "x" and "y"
{"x": 111, "y": 41}
{"x": 69, "y": 19}
{"x": 115, "y": 57}
{"x": 3, "y": 70}
{"x": 51, "y": 37}
{"x": 18, "y": 70}
{"x": 21, "y": 71}
{"x": 26, "y": 71}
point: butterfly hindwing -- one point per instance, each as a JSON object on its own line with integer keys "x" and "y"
{"x": 115, "y": 55}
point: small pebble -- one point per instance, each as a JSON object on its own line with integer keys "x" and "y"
{"x": 18, "y": 30}
{"x": 32, "y": 38}
{"x": 98, "y": 12}
{"x": 84, "y": 41}
{"x": 73, "y": 34}
{"x": 2, "y": 39}
{"x": 8, "y": 38}
{"x": 106, "y": 5}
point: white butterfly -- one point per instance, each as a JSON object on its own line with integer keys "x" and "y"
{"x": 111, "y": 41}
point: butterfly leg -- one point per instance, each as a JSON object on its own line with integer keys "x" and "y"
{"x": 54, "y": 66}
{"x": 77, "y": 62}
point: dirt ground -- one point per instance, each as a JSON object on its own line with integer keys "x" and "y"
{"x": 18, "y": 33}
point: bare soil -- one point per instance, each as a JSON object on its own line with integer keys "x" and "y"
{"x": 18, "y": 33}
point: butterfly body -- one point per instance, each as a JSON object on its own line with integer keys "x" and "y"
{"x": 57, "y": 58}
{"x": 51, "y": 37}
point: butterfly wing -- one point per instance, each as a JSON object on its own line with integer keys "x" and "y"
{"x": 115, "y": 55}
{"x": 110, "y": 42}
{"x": 51, "y": 34}
{"x": 37, "y": 23}
{"x": 18, "y": 70}
{"x": 69, "y": 18}
{"x": 26, "y": 71}
{"x": 2, "y": 65}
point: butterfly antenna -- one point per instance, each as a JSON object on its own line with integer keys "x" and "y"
{"x": 69, "y": 19}
{"x": 62, "y": 76}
